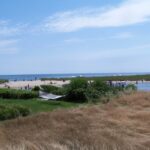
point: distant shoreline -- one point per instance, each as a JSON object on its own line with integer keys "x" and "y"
{"x": 134, "y": 79}
{"x": 103, "y": 76}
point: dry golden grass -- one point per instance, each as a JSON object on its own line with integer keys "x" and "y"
{"x": 122, "y": 124}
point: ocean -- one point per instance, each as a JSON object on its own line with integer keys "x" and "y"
{"x": 29, "y": 77}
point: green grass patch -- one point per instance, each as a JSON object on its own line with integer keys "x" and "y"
{"x": 36, "y": 105}
{"x": 17, "y": 94}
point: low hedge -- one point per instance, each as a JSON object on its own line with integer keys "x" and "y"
{"x": 17, "y": 94}
{"x": 11, "y": 112}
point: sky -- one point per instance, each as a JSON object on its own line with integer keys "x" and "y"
{"x": 74, "y": 36}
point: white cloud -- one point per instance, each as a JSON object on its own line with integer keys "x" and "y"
{"x": 127, "y": 13}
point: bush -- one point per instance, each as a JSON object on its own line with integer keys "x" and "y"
{"x": 23, "y": 111}
{"x": 36, "y": 88}
{"x": 10, "y": 112}
{"x": 92, "y": 93}
{"x": 76, "y": 90}
{"x": 77, "y": 95}
{"x": 78, "y": 83}
{"x": 100, "y": 86}
{"x": 80, "y": 90}
{"x": 17, "y": 94}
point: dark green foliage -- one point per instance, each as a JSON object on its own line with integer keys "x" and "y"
{"x": 82, "y": 90}
{"x": 78, "y": 83}
{"x": 76, "y": 90}
{"x": 17, "y": 94}
{"x": 100, "y": 86}
{"x": 7, "y": 112}
{"x": 77, "y": 95}
{"x": 92, "y": 93}
{"x": 36, "y": 88}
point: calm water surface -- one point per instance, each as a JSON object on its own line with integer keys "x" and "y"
{"x": 143, "y": 86}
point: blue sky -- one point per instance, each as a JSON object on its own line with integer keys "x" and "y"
{"x": 74, "y": 36}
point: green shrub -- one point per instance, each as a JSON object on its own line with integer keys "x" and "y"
{"x": 100, "y": 86}
{"x": 17, "y": 94}
{"x": 36, "y": 88}
{"x": 76, "y": 90}
{"x": 77, "y": 95}
{"x": 92, "y": 93}
{"x": 12, "y": 112}
{"x": 23, "y": 111}
{"x": 8, "y": 113}
{"x": 78, "y": 83}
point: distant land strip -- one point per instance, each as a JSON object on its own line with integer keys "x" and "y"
{"x": 3, "y": 81}
{"x": 112, "y": 78}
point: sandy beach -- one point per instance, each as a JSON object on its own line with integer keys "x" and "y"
{"x": 31, "y": 84}
{"x": 58, "y": 83}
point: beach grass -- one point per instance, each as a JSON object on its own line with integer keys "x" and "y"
{"x": 121, "y": 124}
{"x": 36, "y": 105}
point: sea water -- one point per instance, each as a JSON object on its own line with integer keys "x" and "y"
{"x": 145, "y": 86}
{"x": 29, "y": 77}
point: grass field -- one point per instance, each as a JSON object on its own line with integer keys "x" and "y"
{"x": 122, "y": 124}
{"x": 36, "y": 105}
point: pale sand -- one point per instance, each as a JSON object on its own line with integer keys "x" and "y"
{"x": 58, "y": 83}
{"x": 31, "y": 84}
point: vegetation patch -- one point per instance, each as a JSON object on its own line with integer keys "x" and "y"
{"x": 17, "y": 94}
{"x": 36, "y": 105}
{"x": 54, "y": 89}
{"x": 11, "y": 112}
{"x": 82, "y": 90}
{"x": 3, "y": 81}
